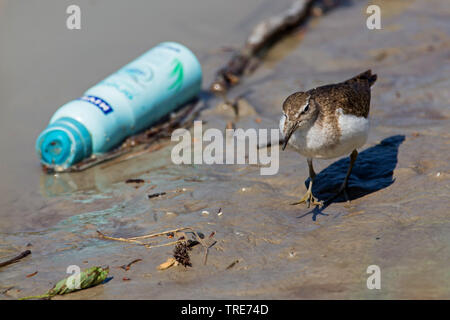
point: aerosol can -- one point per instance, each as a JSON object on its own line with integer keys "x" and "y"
{"x": 126, "y": 102}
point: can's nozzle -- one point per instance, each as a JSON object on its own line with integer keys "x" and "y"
{"x": 63, "y": 143}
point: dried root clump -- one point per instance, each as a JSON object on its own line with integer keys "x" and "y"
{"x": 181, "y": 254}
{"x": 182, "y": 245}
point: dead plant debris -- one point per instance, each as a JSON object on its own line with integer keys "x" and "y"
{"x": 155, "y": 195}
{"x": 126, "y": 267}
{"x": 15, "y": 259}
{"x": 31, "y": 274}
{"x": 264, "y": 36}
{"x": 181, "y": 254}
{"x": 169, "y": 263}
{"x": 134, "y": 181}
{"x": 232, "y": 264}
{"x": 183, "y": 244}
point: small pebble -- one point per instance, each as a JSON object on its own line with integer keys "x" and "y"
{"x": 438, "y": 174}
{"x": 205, "y": 212}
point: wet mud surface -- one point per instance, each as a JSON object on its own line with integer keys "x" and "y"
{"x": 398, "y": 219}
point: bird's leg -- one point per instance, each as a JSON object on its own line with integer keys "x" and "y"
{"x": 343, "y": 187}
{"x": 308, "y": 198}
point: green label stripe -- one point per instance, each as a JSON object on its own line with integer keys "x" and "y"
{"x": 177, "y": 73}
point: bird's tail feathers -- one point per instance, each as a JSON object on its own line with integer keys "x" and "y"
{"x": 365, "y": 76}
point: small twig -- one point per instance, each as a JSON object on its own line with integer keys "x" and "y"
{"x": 181, "y": 239}
{"x": 154, "y": 195}
{"x": 206, "y": 252}
{"x": 134, "y": 181}
{"x": 147, "y": 245}
{"x": 263, "y": 37}
{"x": 163, "y": 244}
{"x": 7, "y": 289}
{"x": 15, "y": 259}
{"x": 126, "y": 267}
{"x": 131, "y": 240}
{"x": 232, "y": 264}
{"x": 154, "y": 235}
{"x": 31, "y": 274}
{"x": 104, "y": 236}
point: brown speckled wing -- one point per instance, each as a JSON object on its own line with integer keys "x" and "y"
{"x": 352, "y": 96}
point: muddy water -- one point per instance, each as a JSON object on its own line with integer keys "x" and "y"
{"x": 398, "y": 218}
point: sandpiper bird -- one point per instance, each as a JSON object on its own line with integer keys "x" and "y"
{"x": 328, "y": 122}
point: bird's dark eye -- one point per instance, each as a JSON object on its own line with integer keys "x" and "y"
{"x": 306, "y": 108}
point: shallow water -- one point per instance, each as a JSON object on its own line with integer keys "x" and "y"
{"x": 398, "y": 218}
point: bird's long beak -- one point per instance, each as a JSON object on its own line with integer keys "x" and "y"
{"x": 291, "y": 129}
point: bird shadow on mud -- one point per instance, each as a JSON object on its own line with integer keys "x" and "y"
{"x": 373, "y": 170}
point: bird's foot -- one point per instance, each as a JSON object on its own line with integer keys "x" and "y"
{"x": 309, "y": 199}
{"x": 342, "y": 190}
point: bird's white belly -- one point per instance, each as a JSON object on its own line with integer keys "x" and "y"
{"x": 354, "y": 132}
{"x": 322, "y": 142}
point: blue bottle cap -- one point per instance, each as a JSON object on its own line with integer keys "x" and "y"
{"x": 63, "y": 143}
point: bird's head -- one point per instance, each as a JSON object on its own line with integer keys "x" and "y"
{"x": 298, "y": 113}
